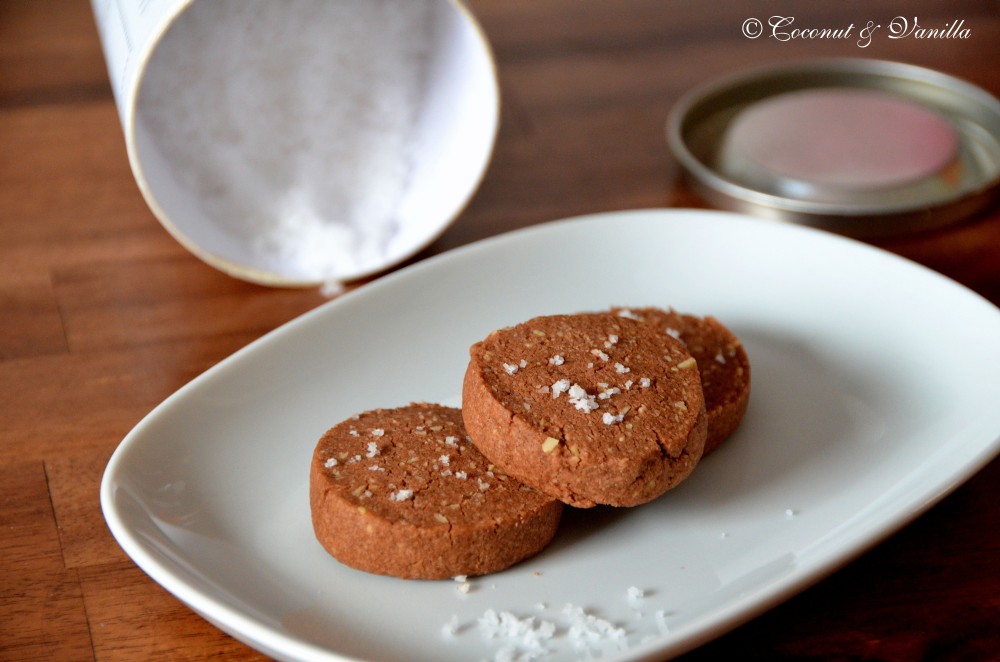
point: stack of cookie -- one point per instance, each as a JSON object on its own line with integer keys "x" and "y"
{"x": 610, "y": 408}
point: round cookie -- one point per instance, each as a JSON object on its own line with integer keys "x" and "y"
{"x": 590, "y": 408}
{"x": 403, "y": 492}
{"x": 722, "y": 363}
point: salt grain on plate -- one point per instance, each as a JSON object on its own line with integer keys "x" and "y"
{"x": 450, "y": 629}
{"x": 661, "y": 621}
{"x": 526, "y": 634}
{"x": 587, "y": 630}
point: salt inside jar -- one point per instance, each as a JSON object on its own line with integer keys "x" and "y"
{"x": 311, "y": 141}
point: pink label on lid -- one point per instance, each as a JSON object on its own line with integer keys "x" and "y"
{"x": 844, "y": 138}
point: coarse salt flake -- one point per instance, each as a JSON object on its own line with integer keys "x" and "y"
{"x": 451, "y": 441}
{"x": 607, "y": 393}
{"x": 526, "y": 634}
{"x": 332, "y": 288}
{"x": 557, "y": 360}
{"x": 378, "y": 432}
{"x": 582, "y": 400}
{"x": 611, "y": 342}
{"x": 661, "y": 621}
{"x": 331, "y": 462}
{"x": 720, "y": 358}
{"x": 560, "y": 386}
{"x": 509, "y": 368}
{"x": 621, "y": 369}
{"x": 644, "y": 382}
{"x": 586, "y": 629}
{"x": 401, "y": 495}
{"x": 450, "y": 629}
{"x": 599, "y": 354}
{"x": 373, "y": 450}
{"x": 611, "y": 419}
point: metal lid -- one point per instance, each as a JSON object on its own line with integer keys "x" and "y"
{"x": 862, "y": 147}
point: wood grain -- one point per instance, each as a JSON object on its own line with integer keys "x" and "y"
{"x": 103, "y": 314}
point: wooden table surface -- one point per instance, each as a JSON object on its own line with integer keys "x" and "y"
{"x": 103, "y": 314}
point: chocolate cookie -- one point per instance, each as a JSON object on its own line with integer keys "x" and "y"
{"x": 722, "y": 362}
{"x": 403, "y": 492}
{"x": 590, "y": 408}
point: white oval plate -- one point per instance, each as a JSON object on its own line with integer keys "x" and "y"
{"x": 874, "y": 395}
